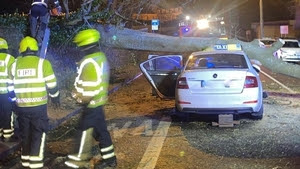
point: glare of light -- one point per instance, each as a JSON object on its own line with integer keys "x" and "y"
{"x": 202, "y": 24}
{"x": 187, "y": 17}
{"x": 222, "y": 22}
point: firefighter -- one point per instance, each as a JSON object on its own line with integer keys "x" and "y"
{"x": 39, "y": 16}
{"x": 91, "y": 90}
{"x": 6, "y": 88}
{"x": 34, "y": 80}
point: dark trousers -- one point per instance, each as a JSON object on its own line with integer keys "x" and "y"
{"x": 33, "y": 124}
{"x": 95, "y": 118}
{"x": 38, "y": 19}
{"x": 6, "y": 118}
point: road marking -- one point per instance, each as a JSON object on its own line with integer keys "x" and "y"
{"x": 118, "y": 133}
{"x": 153, "y": 150}
{"x": 287, "y": 88}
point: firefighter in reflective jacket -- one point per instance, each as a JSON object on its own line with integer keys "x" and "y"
{"x": 6, "y": 87}
{"x": 39, "y": 16}
{"x": 91, "y": 90}
{"x": 34, "y": 80}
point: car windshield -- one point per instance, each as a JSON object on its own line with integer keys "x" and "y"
{"x": 291, "y": 44}
{"x": 268, "y": 42}
{"x": 211, "y": 61}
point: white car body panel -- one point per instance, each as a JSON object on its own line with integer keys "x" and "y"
{"x": 215, "y": 87}
{"x": 226, "y": 93}
{"x": 290, "y": 51}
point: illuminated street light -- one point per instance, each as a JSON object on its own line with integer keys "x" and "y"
{"x": 187, "y": 18}
{"x": 202, "y": 24}
{"x": 222, "y": 22}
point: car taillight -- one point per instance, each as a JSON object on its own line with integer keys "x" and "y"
{"x": 182, "y": 83}
{"x": 250, "y": 82}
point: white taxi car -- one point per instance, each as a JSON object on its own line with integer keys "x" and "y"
{"x": 218, "y": 81}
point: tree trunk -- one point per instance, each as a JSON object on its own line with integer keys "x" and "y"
{"x": 131, "y": 39}
{"x": 66, "y": 2}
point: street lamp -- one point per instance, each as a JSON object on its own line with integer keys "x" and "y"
{"x": 261, "y": 19}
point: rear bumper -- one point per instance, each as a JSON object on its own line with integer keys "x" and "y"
{"x": 236, "y": 110}
{"x": 291, "y": 59}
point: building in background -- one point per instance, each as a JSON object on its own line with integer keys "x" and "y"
{"x": 276, "y": 29}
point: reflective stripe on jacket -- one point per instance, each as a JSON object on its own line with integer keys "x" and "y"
{"x": 40, "y": 2}
{"x": 32, "y": 77}
{"x": 46, "y": 3}
{"x": 93, "y": 79}
{"x": 6, "y": 60}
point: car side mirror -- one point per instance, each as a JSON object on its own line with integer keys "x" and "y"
{"x": 256, "y": 68}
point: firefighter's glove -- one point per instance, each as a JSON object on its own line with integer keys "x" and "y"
{"x": 56, "y": 101}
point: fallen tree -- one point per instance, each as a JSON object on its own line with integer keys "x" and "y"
{"x": 118, "y": 37}
{"x": 115, "y": 37}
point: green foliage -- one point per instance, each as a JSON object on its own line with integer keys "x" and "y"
{"x": 61, "y": 33}
{"x": 16, "y": 20}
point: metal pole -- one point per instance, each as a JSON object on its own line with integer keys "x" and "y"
{"x": 261, "y": 19}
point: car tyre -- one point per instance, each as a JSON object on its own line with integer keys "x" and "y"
{"x": 258, "y": 115}
{"x": 179, "y": 116}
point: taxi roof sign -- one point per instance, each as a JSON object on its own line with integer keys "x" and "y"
{"x": 227, "y": 47}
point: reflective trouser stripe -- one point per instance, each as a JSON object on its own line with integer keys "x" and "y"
{"x": 35, "y": 161}
{"x": 82, "y": 142}
{"x": 7, "y": 133}
{"x": 36, "y": 165}
{"x": 71, "y": 165}
{"x": 107, "y": 152}
{"x": 40, "y": 157}
{"x": 110, "y": 155}
{"x": 25, "y": 161}
{"x": 106, "y": 149}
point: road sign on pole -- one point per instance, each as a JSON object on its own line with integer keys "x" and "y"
{"x": 155, "y": 24}
{"x": 284, "y": 29}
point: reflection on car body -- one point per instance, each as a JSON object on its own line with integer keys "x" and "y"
{"x": 219, "y": 81}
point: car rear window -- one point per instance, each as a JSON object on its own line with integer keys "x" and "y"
{"x": 291, "y": 44}
{"x": 215, "y": 61}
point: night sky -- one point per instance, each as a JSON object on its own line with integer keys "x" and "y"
{"x": 247, "y": 12}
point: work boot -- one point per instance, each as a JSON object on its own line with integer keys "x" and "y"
{"x": 77, "y": 164}
{"x": 85, "y": 149}
{"x": 81, "y": 157}
{"x": 11, "y": 139}
{"x": 106, "y": 164}
{"x": 265, "y": 94}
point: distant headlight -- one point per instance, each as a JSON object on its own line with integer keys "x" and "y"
{"x": 202, "y": 24}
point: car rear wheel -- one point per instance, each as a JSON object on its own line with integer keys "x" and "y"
{"x": 179, "y": 116}
{"x": 258, "y": 115}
